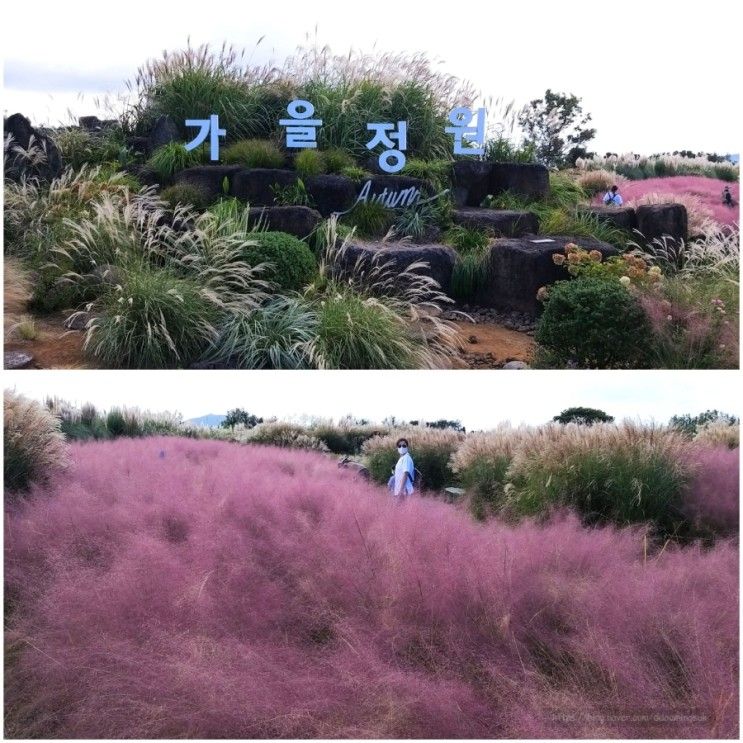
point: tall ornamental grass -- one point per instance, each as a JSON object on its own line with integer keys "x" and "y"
{"x": 33, "y": 444}
{"x": 257, "y": 592}
{"x": 348, "y": 91}
{"x": 621, "y": 474}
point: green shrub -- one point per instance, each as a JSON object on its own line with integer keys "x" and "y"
{"x": 431, "y": 450}
{"x": 172, "y": 158}
{"x": 185, "y": 194}
{"x": 594, "y": 323}
{"x": 293, "y": 264}
{"x": 34, "y": 445}
{"x": 254, "y": 153}
{"x": 309, "y": 162}
{"x": 371, "y": 219}
{"x": 337, "y": 160}
{"x": 278, "y": 335}
{"x": 152, "y": 319}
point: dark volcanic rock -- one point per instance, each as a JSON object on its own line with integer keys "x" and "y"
{"x": 299, "y": 221}
{"x": 623, "y": 217}
{"x": 331, "y": 193}
{"x": 518, "y": 267}
{"x": 471, "y": 182}
{"x": 78, "y": 321}
{"x": 254, "y": 185}
{"x": 137, "y": 145}
{"x": 23, "y": 135}
{"x": 90, "y": 123}
{"x": 164, "y": 131}
{"x": 527, "y": 179}
{"x": 663, "y": 220}
{"x": 498, "y": 222}
{"x": 440, "y": 259}
{"x": 209, "y": 179}
{"x": 17, "y": 360}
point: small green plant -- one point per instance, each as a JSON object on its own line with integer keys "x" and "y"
{"x": 416, "y": 221}
{"x": 184, "y": 194}
{"x": 593, "y": 322}
{"x": 469, "y": 275}
{"x": 171, "y": 158}
{"x": 502, "y": 150}
{"x": 254, "y": 153}
{"x": 337, "y": 160}
{"x": 292, "y": 264}
{"x": 294, "y": 195}
{"x": 355, "y": 173}
{"x": 309, "y": 162}
{"x": 371, "y": 219}
{"x": 466, "y": 239}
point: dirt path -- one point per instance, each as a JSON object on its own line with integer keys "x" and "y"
{"x": 489, "y": 346}
{"x": 54, "y": 346}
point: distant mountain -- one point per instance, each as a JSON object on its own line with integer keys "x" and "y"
{"x": 209, "y": 421}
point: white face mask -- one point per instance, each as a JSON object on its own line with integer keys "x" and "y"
{"x": 402, "y": 449}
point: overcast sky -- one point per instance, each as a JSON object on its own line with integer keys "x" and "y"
{"x": 480, "y": 400}
{"x": 657, "y": 76}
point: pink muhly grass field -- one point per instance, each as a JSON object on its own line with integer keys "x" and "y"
{"x": 707, "y": 190}
{"x": 712, "y": 500}
{"x": 176, "y": 588}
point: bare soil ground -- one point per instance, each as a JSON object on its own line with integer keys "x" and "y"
{"x": 490, "y": 346}
{"x": 54, "y": 347}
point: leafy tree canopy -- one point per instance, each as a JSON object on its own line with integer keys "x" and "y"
{"x": 583, "y": 416}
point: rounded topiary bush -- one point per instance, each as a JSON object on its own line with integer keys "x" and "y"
{"x": 293, "y": 264}
{"x": 34, "y": 444}
{"x": 593, "y": 322}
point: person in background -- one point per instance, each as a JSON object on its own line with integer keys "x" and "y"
{"x": 401, "y": 482}
{"x": 612, "y": 197}
{"x": 727, "y": 197}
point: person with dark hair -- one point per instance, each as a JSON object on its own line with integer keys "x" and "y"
{"x": 727, "y": 197}
{"x": 612, "y": 197}
{"x": 403, "y": 476}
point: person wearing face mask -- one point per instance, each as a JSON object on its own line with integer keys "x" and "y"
{"x": 404, "y": 472}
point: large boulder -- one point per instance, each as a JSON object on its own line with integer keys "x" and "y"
{"x": 17, "y": 360}
{"x": 623, "y": 217}
{"x": 47, "y": 162}
{"x": 299, "y": 221}
{"x": 498, "y": 222}
{"x": 254, "y": 185}
{"x": 164, "y": 131}
{"x": 526, "y": 179}
{"x": 471, "y": 182}
{"x": 331, "y": 193}
{"x": 438, "y": 259}
{"x": 657, "y": 221}
{"x": 518, "y": 267}
{"x": 209, "y": 179}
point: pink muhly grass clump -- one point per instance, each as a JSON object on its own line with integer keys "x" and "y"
{"x": 169, "y": 588}
{"x": 711, "y": 502}
{"x": 708, "y": 191}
